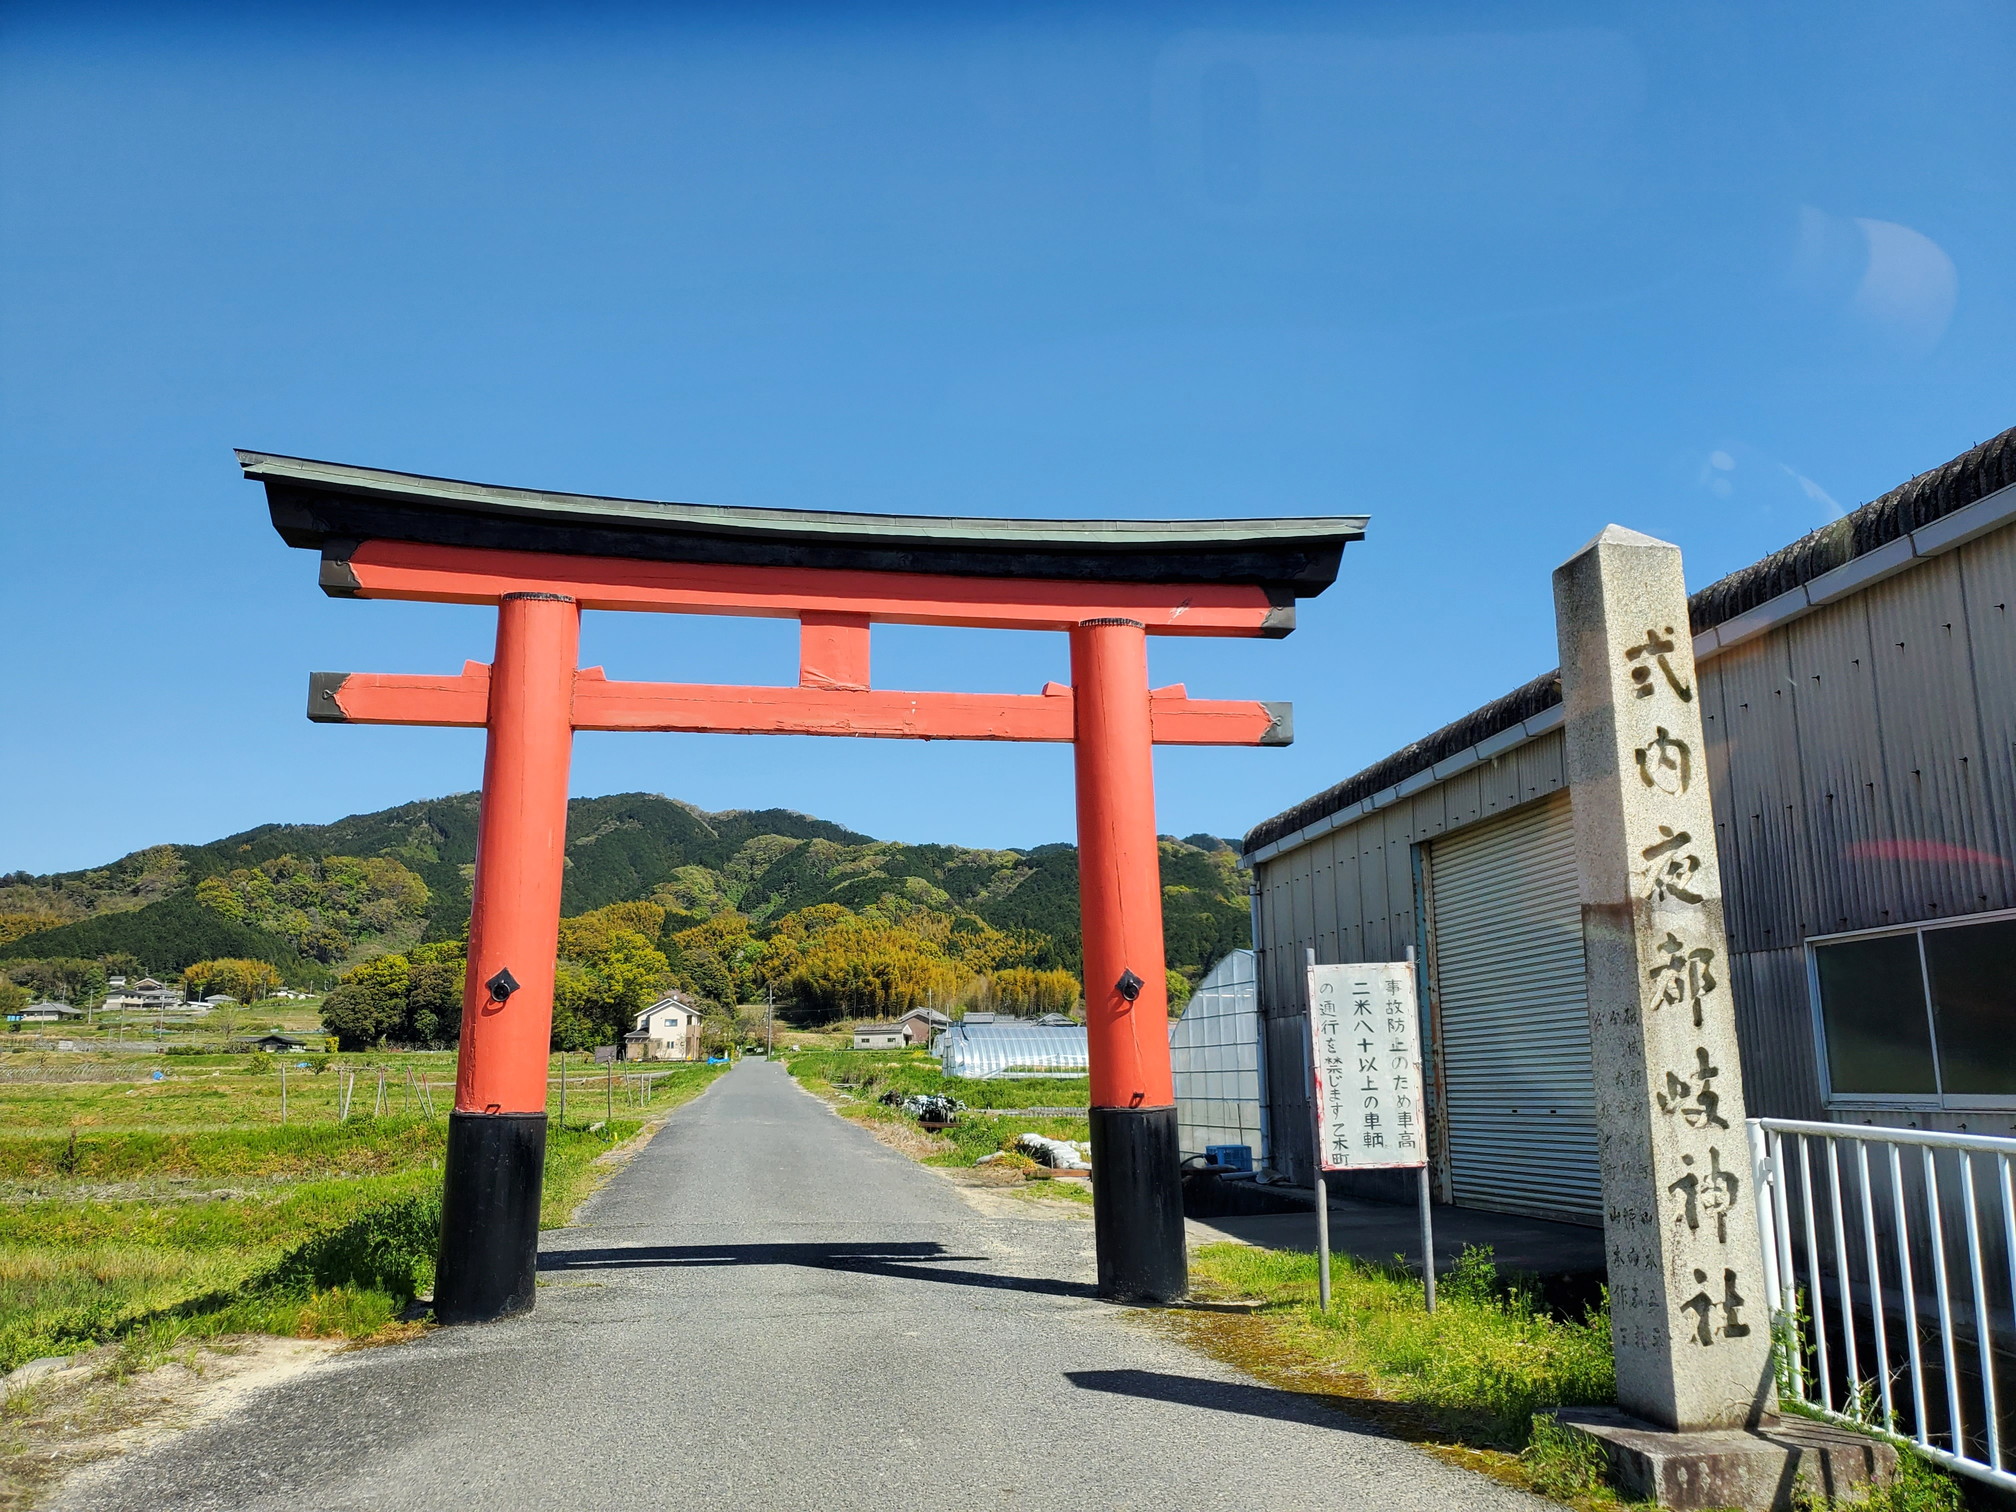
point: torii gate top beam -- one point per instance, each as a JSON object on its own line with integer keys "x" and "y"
{"x": 399, "y": 535}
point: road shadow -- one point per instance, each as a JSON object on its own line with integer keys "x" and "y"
{"x": 912, "y": 1261}
{"x": 1221, "y": 1396}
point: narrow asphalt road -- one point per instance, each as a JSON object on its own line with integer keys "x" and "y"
{"x": 768, "y": 1309}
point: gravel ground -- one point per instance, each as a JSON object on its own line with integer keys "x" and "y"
{"x": 768, "y": 1309}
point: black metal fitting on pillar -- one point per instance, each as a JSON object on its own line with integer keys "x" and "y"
{"x": 490, "y": 1186}
{"x": 1138, "y": 1205}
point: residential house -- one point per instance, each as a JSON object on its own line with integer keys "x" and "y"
{"x": 146, "y": 996}
{"x": 668, "y": 1030}
{"x": 46, "y": 1013}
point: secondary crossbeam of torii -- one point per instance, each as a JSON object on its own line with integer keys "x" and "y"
{"x": 542, "y": 558}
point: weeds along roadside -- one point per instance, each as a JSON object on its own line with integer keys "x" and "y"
{"x": 310, "y": 1230}
{"x": 997, "y": 1113}
{"x": 1473, "y": 1381}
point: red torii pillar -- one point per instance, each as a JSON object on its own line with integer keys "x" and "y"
{"x": 390, "y": 535}
{"x": 1135, "y": 1159}
{"x": 497, "y": 1132}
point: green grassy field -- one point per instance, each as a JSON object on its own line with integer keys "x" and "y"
{"x": 204, "y": 1091}
{"x": 154, "y": 1211}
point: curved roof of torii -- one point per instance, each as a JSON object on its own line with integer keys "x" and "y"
{"x": 320, "y": 504}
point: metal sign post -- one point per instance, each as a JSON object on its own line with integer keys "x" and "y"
{"x": 1366, "y": 1101}
{"x": 1316, "y": 1136}
{"x": 1427, "y": 1203}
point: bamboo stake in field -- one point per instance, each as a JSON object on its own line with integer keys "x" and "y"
{"x": 379, "y": 1108}
{"x": 349, "y": 1086}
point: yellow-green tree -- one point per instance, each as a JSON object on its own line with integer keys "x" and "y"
{"x": 1021, "y": 990}
{"x": 721, "y": 960}
{"x": 247, "y": 981}
{"x": 585, "y": 936}
{"x": 610, "y": 971}
{"x": 832, "y": 963}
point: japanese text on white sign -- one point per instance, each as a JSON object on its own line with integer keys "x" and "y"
{"x": 1365, "y": 1040}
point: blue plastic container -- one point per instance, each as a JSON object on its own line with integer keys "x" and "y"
{"x": 1238, "y": 1157}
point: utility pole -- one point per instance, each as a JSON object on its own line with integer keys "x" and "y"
{"x": 770, "y": 1032}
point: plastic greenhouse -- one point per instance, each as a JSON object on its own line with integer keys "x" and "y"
{"x": 1215, "y": 1051}
{"x": 995, "y": 1051}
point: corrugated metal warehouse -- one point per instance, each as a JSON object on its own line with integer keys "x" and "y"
{"x": 1859, "y": 692}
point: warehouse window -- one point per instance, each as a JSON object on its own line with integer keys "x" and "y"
{"x": 1925, "y": 1015}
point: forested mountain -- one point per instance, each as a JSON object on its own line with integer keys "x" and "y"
{"x": 315, "y": 899}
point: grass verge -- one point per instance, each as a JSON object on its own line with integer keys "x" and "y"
{"x": 998, "y": 1113}
{"x": 1472, "y": 1382}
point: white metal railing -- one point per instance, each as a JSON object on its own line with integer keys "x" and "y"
{"x": 1891, "y": 1280}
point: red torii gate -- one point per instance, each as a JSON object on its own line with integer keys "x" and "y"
{"x": 541, "y": 558}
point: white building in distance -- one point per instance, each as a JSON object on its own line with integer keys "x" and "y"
{"x": 668, "y": 1030}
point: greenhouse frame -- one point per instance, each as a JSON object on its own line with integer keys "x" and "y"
{"x": 997, "y": 1052}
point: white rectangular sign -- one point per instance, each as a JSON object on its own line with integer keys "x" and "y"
{"x": 1365, "y": 1042}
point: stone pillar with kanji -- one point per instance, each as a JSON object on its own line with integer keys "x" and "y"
{"x": 1688, "y": 1322}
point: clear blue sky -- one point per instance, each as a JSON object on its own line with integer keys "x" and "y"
{"x": 1493, "y": 275}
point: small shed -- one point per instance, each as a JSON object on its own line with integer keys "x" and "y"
{"x": 276, "y": 1042}
{"x": 990, "y": 1051}
{"x": 668, "y": 1030}
{"x": 881, "y": 1037}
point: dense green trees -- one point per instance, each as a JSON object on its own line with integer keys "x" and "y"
{"x": 410, "y": 998}
{"x": 66, "y": 979}
{"x": 246, "y": 980}
{"x": 167, "y": 935}
{"x": 322, "y": 907}
{"x": 611, "y": 970}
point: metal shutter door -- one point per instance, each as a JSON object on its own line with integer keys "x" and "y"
{"x": 1518, "y": 1083}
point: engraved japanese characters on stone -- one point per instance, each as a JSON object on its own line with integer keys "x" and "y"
{"x": 1704, "y": 1195}
{"x": 1670, "y": 868}
{"x": 1693, "y": 1098}
{"x": 1656, "y": 650}
{"x": 1681, "y": 975}
{"x": 1704, "y": 1307}
{"x": 1665, "y": 762}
